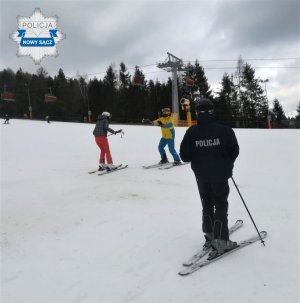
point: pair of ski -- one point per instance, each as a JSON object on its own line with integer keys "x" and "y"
{"x": 122, "y": 166}
{"x": 108, "y": 171}
{"x": 163, "y": 165}
{"x": 196, "y": 262}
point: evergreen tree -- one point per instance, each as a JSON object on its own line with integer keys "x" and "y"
{"x": 202, "y": 82}
{"x": 226, "y": 100}
{"x": 138, "y": 97}
{"x": 242, "y": 99}
{"x": 164, "y": 95}
{"x": 124, "y": 76}
{"x": 84, "y": 93}
{"x": 298, "y": 111}
{"x": 195, "y": 73}
{"x": 41, "y": 73}
{"x": 110, "y": 79}
{"x": 151, "y": 105}
{"x": 58, "y": 109}
{"x": 188, "y": 85}
{"x": 59, "y": 85}
{"x": 37, "y": 95}
{"x": 110, "y": 90}
{"x": 40, "y": 86}
{"x": 7, "y": 84}
{"x": 7, "y": 79}
{"x": 94, "y": 93}
{"x": 123, "y": 106}
{"x": 278, "y": 113}
{"x": 75, "y": 106}
{"x": 194, "y": 80}
{"x": 22, "y": 89}
{"x": 253, "y": 100}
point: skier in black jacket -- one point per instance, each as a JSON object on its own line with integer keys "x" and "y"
{"x": 211, "y": 148}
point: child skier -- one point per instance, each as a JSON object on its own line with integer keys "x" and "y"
{"x": 100, "y": 133}
{"x": 47, "y": 118}
{"x": 168, "y": 136}
{"x": 6, "y": 119}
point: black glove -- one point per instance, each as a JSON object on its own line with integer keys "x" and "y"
{"x": 118, "y": 131}
{"x": 161, "y": 124}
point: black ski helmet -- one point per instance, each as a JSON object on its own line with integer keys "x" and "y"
{"x": 204, "y": 105}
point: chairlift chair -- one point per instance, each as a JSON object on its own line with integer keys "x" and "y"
{"x": 138, "y": 80}
{"x": 50, "y": 97}
{"x": 8, "y": 96}
{"x": 189, "y": 82}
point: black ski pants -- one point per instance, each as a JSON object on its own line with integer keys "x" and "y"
{"x": 214, "y": 208}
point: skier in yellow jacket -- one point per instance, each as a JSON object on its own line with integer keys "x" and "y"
{"x": 168, "y": 136}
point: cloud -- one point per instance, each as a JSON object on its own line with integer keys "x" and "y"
{"x": 258, "y": 23}
{"x": 99, "y": 33}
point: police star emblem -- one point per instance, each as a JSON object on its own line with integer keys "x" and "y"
{"x": 37, "y": 36}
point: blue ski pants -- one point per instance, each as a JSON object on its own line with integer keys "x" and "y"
{"x": 171, "y": 145}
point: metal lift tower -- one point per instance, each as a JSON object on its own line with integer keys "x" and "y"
{"x": 173, "y": 64}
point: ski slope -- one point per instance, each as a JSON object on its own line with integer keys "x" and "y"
{"x": 67, "y": 236}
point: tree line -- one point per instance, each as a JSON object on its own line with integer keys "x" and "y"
{"x": 241, "y": 99}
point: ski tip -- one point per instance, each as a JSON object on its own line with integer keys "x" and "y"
{"x": 120, "y": 166}
{"x": 187, "y": 264}
{"x": 240, "y": 221}
{"x": 263, "y": 233}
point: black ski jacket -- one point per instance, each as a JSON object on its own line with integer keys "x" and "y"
{"x": 211, "y": 148}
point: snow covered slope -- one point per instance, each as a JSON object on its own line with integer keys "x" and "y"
{"x": 68, "y": 236}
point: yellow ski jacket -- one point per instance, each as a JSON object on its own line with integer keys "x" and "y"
{"x": 167, "y": 127}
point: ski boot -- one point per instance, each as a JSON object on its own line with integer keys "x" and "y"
{"x": 220, "y": 247}
{"x": 208, "y": 240}
{"x": 102, "y": 167}
{"x": 164, "y": 160}
{"x": 110, "y": 167}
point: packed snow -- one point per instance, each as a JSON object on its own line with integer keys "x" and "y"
{"x": 69, "y": 236}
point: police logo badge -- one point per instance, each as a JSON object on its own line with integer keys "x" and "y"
{"x": 37, "y": 36}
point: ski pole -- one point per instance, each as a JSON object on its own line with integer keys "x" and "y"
{"x": 262, "y": 241}
{"x": 122, "y": 134}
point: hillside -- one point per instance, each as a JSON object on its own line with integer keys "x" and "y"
{"x": 68, "y": 236}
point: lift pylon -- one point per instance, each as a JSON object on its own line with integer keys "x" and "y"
{"x": 173, "y": 64}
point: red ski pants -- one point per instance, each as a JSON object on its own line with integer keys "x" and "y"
{"x": 102, "y": 142}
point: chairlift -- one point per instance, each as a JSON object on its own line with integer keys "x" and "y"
{"x": 189, "y": 81}
{"x": 138, "y": 80}
{"x": 50, "y": 97}
{"x": 8, "y": 96}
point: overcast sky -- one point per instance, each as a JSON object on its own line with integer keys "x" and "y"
{"x": 100, "y": 33}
